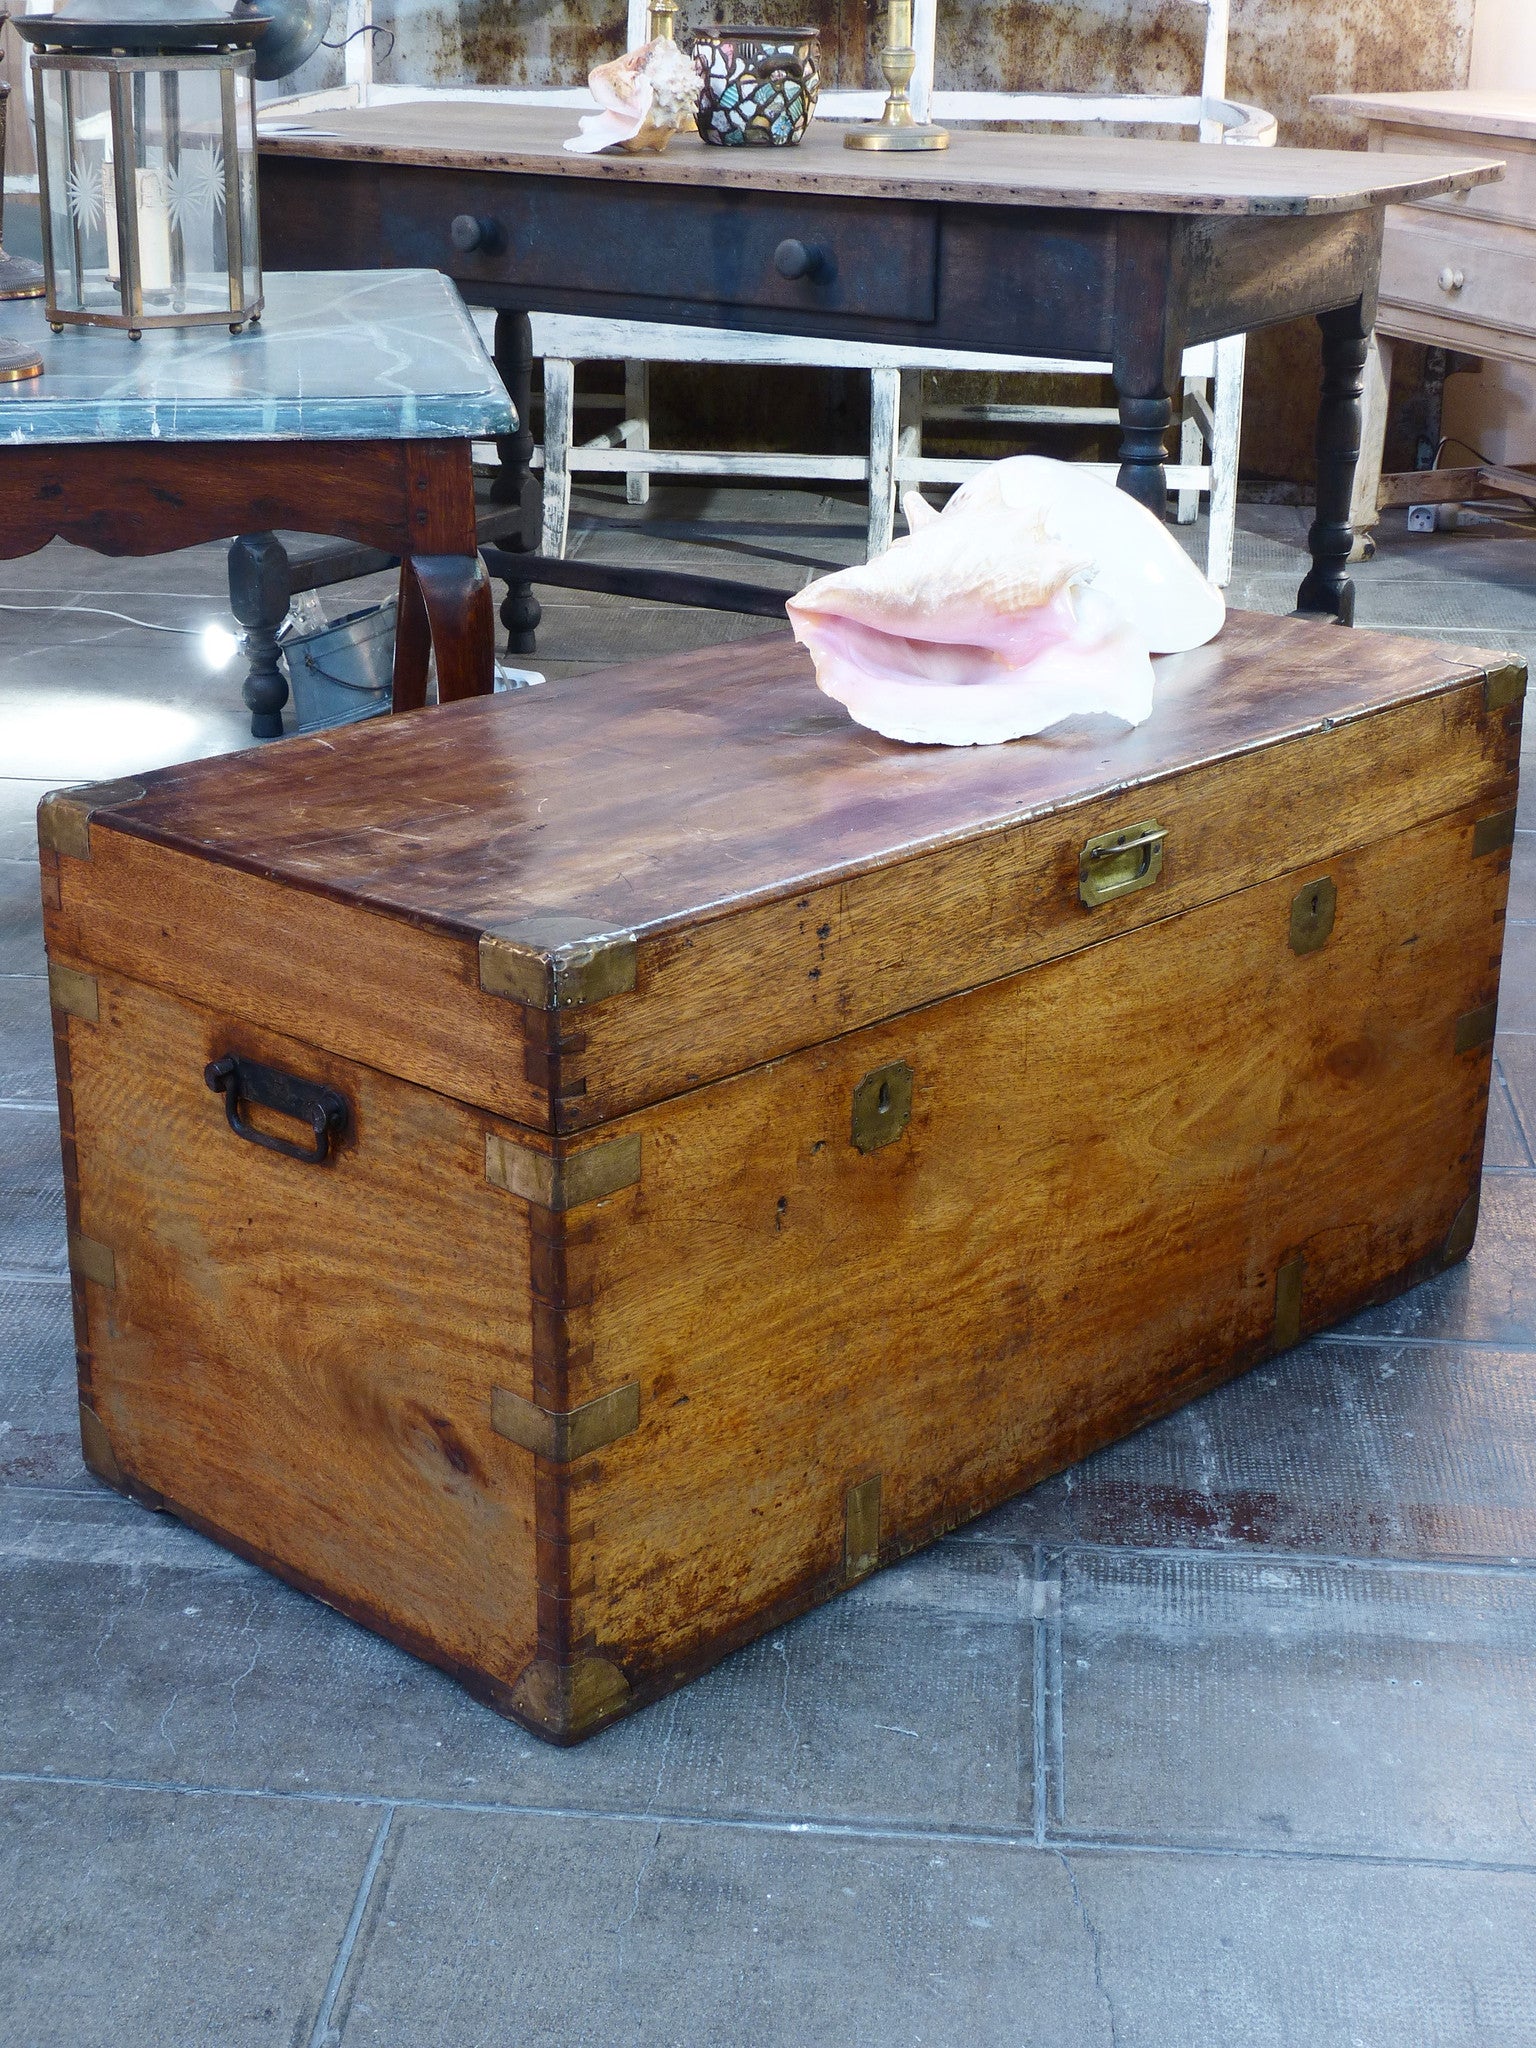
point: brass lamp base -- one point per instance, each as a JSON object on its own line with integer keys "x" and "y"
{"x": 897, "y": 135}
{"x": 17, "y": 362}
{"x": 20, "y": 278}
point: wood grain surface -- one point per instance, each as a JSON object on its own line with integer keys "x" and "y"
{"x": 1510, "y": 114}
{"x": 1131, "y": 1168}
{"x": 1108, "y": 1161}
{"x": 789, "y": 874}
{"x": 300, "y": 1358}
{"x": 978, "y": 168}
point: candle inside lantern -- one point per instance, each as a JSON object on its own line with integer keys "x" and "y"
{"x": 154, "y": 222}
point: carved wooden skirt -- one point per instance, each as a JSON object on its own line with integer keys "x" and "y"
{"x": 576, "y": 1178}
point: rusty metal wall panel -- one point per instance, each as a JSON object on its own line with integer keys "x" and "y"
{"x": 1282, "y": 51}
{"x": 525, "y": 42}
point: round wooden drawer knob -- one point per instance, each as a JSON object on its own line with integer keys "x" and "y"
{"x": 471, "y": 236}
{"x": 794, "y": 259}
{"x": 1451, "y": 280}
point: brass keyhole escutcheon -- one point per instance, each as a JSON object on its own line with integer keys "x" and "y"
{"x": 1312, "y": 911}
{"x": 882, "y": 1106}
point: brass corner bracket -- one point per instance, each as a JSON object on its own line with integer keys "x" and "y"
{"x": 64, "y": 815}
{"x": 562, "y": 1436}
{"x": 74, "y": 991}
{"x": 561, "y": 1181}
{"x": 1504, "y": 686}
{"x": 555, "y": 961}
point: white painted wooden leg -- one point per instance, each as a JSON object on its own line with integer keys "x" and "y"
{"x": 1364, "y": 510}
{"x": 559, "y": 405}
{"x": 909, "y": 441}
{"x": 637, "y": 431}
{"x": 884, "y": 432}
{"x": 1191, "y": 451}
{"x": 1226, "y": 440}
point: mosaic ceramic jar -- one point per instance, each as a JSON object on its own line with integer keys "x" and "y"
{"x": 759, "y": 84}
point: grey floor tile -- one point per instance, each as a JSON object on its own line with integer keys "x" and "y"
{"x": 1505, "y": 1145}
{"x": 1522, "y": 879}
{"x": 21, "y": 917}
{"x": 1516, "y": 1065}
{"x": 63, "y": 573}
{"x": 26, "y": 1039}
{"x": 1358, "y": 1709}
{"x": 669, "y": 1937}
{"x": 135, "y": 1647}
{"x": 19, "y": 800}
{"x": 1491, "y": 1296}
{"x": 39, "y": 1434}
{"x": 1517, "y": 981}
{"x": 84, "y": 724}
{"x": 146, "y": 1920}
{"x": 1213, "y": 1952}
{"x": 1340, "y": 1448}
{"x": 31, "y": 1191}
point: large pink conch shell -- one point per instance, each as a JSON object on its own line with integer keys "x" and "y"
{"x": 646, "y": 96}
{"x": 1029, "y": 601}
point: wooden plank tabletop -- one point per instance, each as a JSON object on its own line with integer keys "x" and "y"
{"x": 1477, "y": 113}
{"x": 978, "y": 168}
{"x": 650, "y": 795}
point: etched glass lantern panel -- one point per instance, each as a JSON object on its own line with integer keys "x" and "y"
{"x": 148, "y": 172}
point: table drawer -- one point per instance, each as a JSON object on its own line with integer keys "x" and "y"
{"x": 1511, "y": 199}
{"x": 561, "y": 239}
{"x": 1485, "y": 277}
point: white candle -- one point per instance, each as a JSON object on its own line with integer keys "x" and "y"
{"x": 154, "y": 228}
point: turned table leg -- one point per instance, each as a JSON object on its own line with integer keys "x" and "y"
{"x": 1144, "y": 424}
{"x": 260, "y": 592}
{"x": 512, "y": 352}
{"x": 1346, "y": 342}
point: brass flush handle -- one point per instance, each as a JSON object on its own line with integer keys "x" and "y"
{"x": 882, "y": 1106}
{"x": 1114, "y": 864}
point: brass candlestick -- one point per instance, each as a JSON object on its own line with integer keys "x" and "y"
{"x": 664, "y": 21}
{"x": 898, "y": 127}
{"x": 20, "y": 278}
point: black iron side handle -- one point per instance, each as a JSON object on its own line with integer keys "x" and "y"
{"x": 325, "y": 1111}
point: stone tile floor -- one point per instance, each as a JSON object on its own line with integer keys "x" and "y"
{"x": 1223, "y": 1739}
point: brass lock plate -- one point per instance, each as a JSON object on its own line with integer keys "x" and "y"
{"x": 1115, "y": 864}
{"x": 882, "y": 1106}
{"x": 1312, "y": 912}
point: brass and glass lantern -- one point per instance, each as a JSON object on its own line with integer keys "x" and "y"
{"x": 146, "y": 151}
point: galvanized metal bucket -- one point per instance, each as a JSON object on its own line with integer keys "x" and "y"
{"x": 345, "y": 671}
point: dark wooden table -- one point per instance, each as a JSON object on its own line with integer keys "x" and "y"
{"x": 1122, "y": 250}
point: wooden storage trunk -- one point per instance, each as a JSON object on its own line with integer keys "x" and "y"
{"x": 748, "y": 1150}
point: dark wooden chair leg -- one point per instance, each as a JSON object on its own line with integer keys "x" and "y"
{"x": 1340, "y": 413}
{"x": 260, "y": 592}
{"x": 454, "y": 596}
{"x": 512, "y": 351}
{"x": 413, "y": 643}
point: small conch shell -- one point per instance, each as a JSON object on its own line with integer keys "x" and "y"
{"x": 1031, "y": 598}
{"x": 646, "y": 96}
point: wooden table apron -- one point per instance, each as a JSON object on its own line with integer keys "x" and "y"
{"x": 414, "y": 499}
{"x": 1133, "y": 288}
